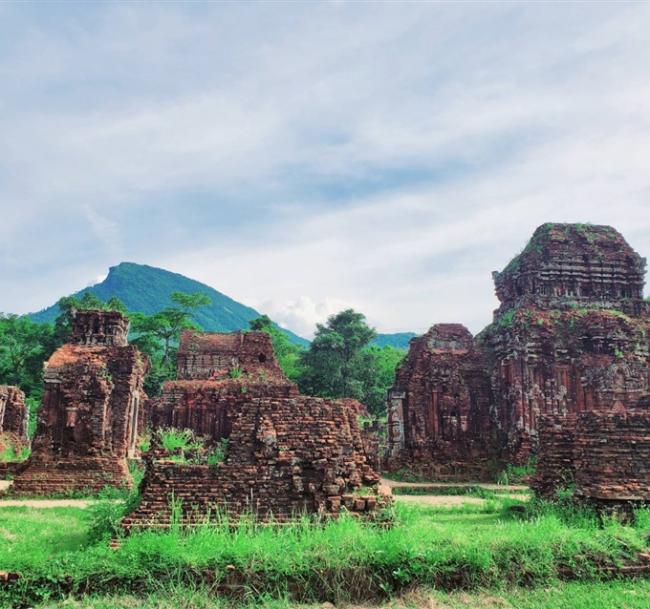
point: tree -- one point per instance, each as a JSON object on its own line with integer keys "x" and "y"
{"x": 24, "y": 346}
{"x": 190, "y": 302}
{"x": 378, "y": 375}
{"x": 157, "y": 335}
{"x": 288, "y": 353}
{"x": 341, "y": 362}
{"x": 115, "y": 304}
{"x": 69, "y": 304}
{"x": 333, "y": 365}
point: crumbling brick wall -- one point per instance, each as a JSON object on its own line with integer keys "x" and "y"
{"x": 286, "y": 455}
{"x": 92, "y": 410}
{"x": 93, "y": 327}
{"x": 205, "y": 406}
{"x": 216, "y": 374}
{"x": 556, "y": 459}
{"x": 14, "y": 418}
{"x": 605, "y": 454}
{"x": 215, "y": 356}
{"x": 612, "y": 456}
{"x": 439, "y": 407}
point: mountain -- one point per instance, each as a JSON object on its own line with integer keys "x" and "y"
{"x": 147, "y": 289}
{"x": 399, "y": 340}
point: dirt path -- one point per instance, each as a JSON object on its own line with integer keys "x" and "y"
{"x": 516, "y": 496}
{"x": 41, "y": 503}
{"x": 440, "y": 500}
{"x": 486, "y": 485}
{"x": 46, "y": 503}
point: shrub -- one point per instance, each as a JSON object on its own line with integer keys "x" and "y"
{"x": 218, "y": 453}
{"x": 235, "y": 373}
{"x": 175, "y": 440}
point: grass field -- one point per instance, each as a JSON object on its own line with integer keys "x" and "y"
{"x": 609, "y": 595}
{"x": 62, "y": 552}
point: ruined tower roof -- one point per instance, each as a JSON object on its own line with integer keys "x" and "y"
{"x": 210, "y": 355}
{"x": 97, "y": 327}
{"x": 448, "y": 337}
{"x": 573, "y": 264}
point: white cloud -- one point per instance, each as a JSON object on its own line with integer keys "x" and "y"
{"x": 303, "y": 313}
{"x": 310, "y": 159}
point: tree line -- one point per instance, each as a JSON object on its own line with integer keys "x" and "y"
{"x": 339, "y": 362}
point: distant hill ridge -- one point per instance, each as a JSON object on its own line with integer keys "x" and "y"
{"x": 147, "y": 289}
{"x": 398, "y": 340}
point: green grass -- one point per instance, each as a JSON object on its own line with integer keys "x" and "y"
{"x": 61, "y": 552}
{"x": 514, "y": 474}
{"x": 173, "y": 439}
{"x": 40, "y": 534}
{"x": 469, "y": 490}
{"x": 610, "y": 595}
{"x": 184, "y": 446}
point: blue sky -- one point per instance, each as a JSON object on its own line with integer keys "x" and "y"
{"x": 304, "y": 157}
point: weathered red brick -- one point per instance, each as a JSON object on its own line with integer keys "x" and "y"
{"x": 92, "y": 411}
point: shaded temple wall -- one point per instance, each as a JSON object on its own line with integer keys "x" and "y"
{"x": 605, "y": 455}
{"x": 439, "y": 407}
{"x": 556, "y": 456}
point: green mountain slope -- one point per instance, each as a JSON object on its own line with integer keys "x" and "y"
{"x": 147, "y": 289}
{"x": 398, "y": 340}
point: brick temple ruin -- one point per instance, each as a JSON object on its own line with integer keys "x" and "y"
{"x": 439, "y": 408}
{"x": 571, "y": 336}
{"x": 604, "y": 456}
{"x": 286, "y": 453}
{"x": 92, "y": 410}
{"x": 215, "y": 373}
{"x": 14, "y": 418}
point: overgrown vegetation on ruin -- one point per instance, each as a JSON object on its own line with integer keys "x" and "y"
{"x": 184, "y": 446}
{"x": 63, "y": 551}
{"x": 11, "y": 453}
